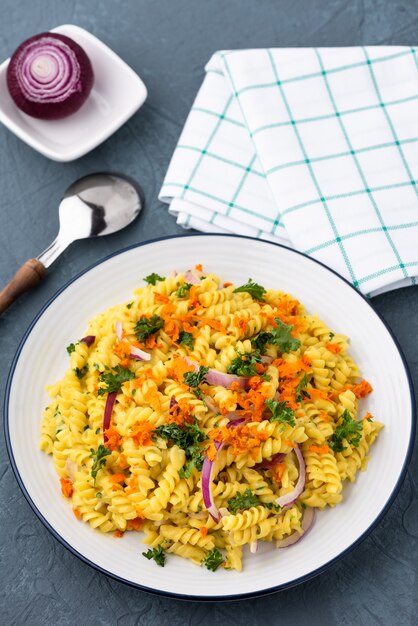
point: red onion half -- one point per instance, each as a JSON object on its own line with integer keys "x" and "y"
{"x": 49, "y": 76}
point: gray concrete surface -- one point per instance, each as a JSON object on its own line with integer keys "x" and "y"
{"x": 168, "y": 42}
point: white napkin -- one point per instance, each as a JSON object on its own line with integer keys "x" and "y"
{"x": 313, "y": 148}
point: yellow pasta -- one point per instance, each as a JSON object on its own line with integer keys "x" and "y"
{"x": 207, "y": 416}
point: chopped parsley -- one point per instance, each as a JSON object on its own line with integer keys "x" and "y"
{"x": 256, "y": 291}
{"x": 114, "y": 379}
{"x": 99, "y": 495}
{"x": 273, "y": 507}
{"x": 147, "y": 326}
{"x": 71, "y": 348}
{"x": 281, "y": 412}
{"x": 279, "y": 336}
{"x": 243, "y": 501}
{"x": 261, "y": 340}
{"x": 99, "y": 459}
{"x": 248, "y": 499}
{"x": 183, "y": 290}
{"x": 187, "y": 339}
{"x": 194, "y": 379}
{"x": 282, "y": 338}
{"x": 188, "y": 439}
{"x": 245, "y": 364}
{"x": 348, "y": 429}
{"x": 213, "y": 559}
{"x": 129, "y": 305}
{"x": 301, "y": 389}
{"x": 153, "y": 278}
{"x": 331, "y": 336}
{"x": 81, "y": 372}
{"x": 157, "y": 554}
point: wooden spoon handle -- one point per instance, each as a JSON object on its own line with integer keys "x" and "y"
{"x": 27, "y": 276}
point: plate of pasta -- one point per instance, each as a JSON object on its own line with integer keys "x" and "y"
{"x": 206, "y": 416}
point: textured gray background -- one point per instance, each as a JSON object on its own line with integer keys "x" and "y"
{"x": 168, "y": 42}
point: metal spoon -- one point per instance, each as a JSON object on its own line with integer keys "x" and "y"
{"x": 95, "y": 205}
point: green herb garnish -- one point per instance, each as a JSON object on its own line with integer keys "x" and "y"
{"x": 129, "y": 305}
{"x": 301, "y": 389}
{"x": 194, "y": 379}
{"x": 153, "y": 278}
{"x": 281, "y": 412}
{"x": 71, "y": 348}
{"x": 273, "y": 507}
{"x": 147, "y": 326}
{"x": 157, "y": 554}
{"x": 213, "y": 559}
{"x": 183, "y": 290}
{"x": 279, "y": 336}
{"x": 245, "y": 364}
{"x": 114, "y": 379}
{"x": 348, "y": 429}
{"x": 256, "y": 291}
{"x": 99, "y": 459}
{"x": 81, "y": 372}
{"x": 188, "y": 439}
{"x": 243, "y": 501}
{"x": 187, "y": 339}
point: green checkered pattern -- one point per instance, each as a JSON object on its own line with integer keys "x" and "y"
{"x": 314, "y": 148}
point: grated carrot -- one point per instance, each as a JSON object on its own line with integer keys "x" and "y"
{"x": 151, "y": 396}
{"x": 118, "y": 534}
{"x": 199, "y": 267}
{"x": 136, "y": 523}
{"x": 66, "y": 487}
{"x": 117, "y": 478}
{"x": 123, "y": 462}
{"x": 319, "y": 449}
{"x": 333, "y": 347}
{"x": 113, "y": 438}
{"x": 205, "y": 321}
{"x": 77, "y": 513}
{"x": 141, "y": 433}
{"x": 278, "y": 472}
{"x": 203, "y": 531}
{"x": 240, "y": 439}
{"x": 159, "y": 297}
{"x": 362, "y": 389}
{"x": 289, "y": 443}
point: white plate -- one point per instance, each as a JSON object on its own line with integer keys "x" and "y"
{"x": 117, "y": 93}
{"x": 42, "y": 358}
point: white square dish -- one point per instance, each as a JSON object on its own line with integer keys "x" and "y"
{"x": 117, "y": 94}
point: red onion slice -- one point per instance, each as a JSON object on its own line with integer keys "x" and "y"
{"x": 207, "y": 475}
{"x": 308, "y": 520}
{"x": 189, "y": 277}
{"x": 220, "y": 379}
{"x": 290, "y": 498}
{"x": 88, "y": 340}
{"x": 138, "y": 354}
{"x": 110, "y": 402}
{"x": 173, "y": 402}
{"x": 119, "y": 330}
{"x": 49, "y": 76}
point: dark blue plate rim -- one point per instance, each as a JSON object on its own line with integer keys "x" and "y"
{"x": 240, "y": 596}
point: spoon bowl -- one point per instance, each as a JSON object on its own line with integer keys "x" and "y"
{"x": 95, "y": 205}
